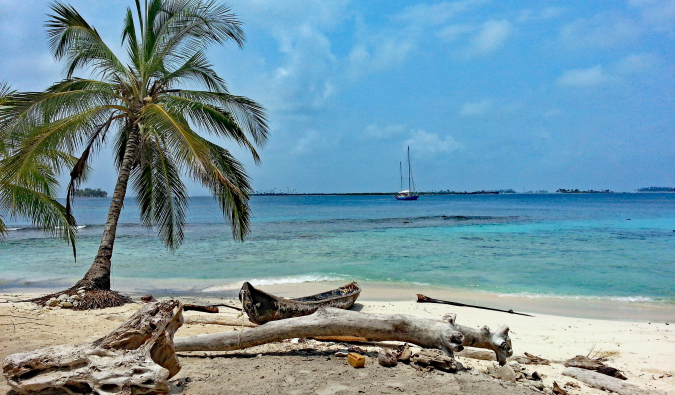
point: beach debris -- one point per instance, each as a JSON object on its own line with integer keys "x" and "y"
{"x": 228, "y": 306}
{"x": 601, "y": 381}
{"x": 405, "y": 353}
{"x": 536, "y": 384}
{"x": 387, "y": 358}
{"x": 138, "y": 357}
{"x": 356, "y": 360}
{"x": 444, "y": 335}
{"x": 534, "y": 360}
{"x": 436, "y": 359}
{"x": 187, "y": 306}
{"x": 557, "y": 390}
{"x": 148, "y": 298}
{"x": 201, "y": 308}
{"x": 610, "y": 371}
{"x": 506, "y": 373}
{"x": 342, "y": 353}
{"x": 425, "y": 299}
{"x": 584, "y": 362}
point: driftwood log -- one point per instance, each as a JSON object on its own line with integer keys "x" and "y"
{"x": 444, "y": 334}
{"x": 136, "y": 358}
{"x": 603, "y": 382}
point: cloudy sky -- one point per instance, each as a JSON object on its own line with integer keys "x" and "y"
{"x": 487, "y": 94}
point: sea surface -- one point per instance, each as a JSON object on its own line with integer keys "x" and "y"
{"x": 604, "y": 246}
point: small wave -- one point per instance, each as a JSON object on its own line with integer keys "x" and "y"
{"x": 13, "y": 229}
{"x": 630, "y": 299}
{"x": 308, "y": 278}
{"x": 78, "y": 227}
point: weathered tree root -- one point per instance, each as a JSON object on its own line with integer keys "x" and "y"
{"x": 440, "y": 334}
{"x": 136, "y": 358}
{"x": 91, "y": 299}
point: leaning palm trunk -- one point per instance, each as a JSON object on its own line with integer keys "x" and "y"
{"x": 98, "y": 275}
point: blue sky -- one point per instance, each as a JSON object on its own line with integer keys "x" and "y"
{"x": 487, "y": 94}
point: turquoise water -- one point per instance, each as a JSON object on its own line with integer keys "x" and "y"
{"x": 556, "y": 245}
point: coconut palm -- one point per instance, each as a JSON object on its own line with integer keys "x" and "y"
{"x": 32, "y": 196}
{"x": 151, "y": 122}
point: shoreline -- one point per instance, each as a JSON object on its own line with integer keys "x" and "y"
{"x": 590, "y": 307}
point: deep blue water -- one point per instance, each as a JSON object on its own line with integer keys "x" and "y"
{"x": 564, "y": 245}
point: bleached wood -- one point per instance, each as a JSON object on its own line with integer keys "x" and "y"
{"x": 441, "y": 334}
{"x": 604, "y": 382}
{"x": 138, "y": 357}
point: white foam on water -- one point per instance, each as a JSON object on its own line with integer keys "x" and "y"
{"x": 13, "y": 229}
{"x": 308, "y": 278}
{"x": 631, "y": 299}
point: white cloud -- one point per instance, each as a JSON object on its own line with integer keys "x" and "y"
{"x": 432, "y": 143}
{"x": 592, "y": 76}
{"x": 306, "y": 142}
{"x": 453, "y": 32}
{"x": 540, "y": 15}
{"x": 477, "y": 108}
{"x": 378, "y": 55}
{"x": 439, "y": 13}
{"x": 604, "y": 30}
{"x": 490, "y": 37}
{"x": 635, "y": 64}
{"x": 303, "y": 78}
{"x": 384, "y": 132}
{"x": 657, "y": 15}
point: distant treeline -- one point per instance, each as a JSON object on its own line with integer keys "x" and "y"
{"x": 578, "y": 191}
{"x": 656, "y": 189}
{"x": 88, "y": 192}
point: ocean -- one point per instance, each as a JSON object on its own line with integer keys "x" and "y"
{"x": 582, "y": 246}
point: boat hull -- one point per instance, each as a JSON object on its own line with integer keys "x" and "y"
{"x": 262, "y": 307}
{"x": 406, "y": 197}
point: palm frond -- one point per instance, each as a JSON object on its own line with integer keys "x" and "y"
{"x": 196, "y": 68}
{"x": 41, "y": 208}
{"x": 249, "y": 115}
{"x": 71, "y": 37}
{"x": 161, "y": 195}
{"x": 186, "y": 27}
{"x": 230, "y": 186}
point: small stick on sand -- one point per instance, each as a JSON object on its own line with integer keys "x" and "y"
{"x": 425, "y": 299}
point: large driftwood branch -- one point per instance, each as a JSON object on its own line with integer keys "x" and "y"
{"x": 603, "y": 382}
{"x": 138, "y": 357}
{"x": 441, "y": 334}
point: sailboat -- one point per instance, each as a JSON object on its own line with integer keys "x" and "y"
{"x": 410, "y": 193}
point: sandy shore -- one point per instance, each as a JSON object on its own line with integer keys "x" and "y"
{"x": 644, "y": 349}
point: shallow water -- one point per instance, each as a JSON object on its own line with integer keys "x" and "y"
{"x": 608, "y": 246}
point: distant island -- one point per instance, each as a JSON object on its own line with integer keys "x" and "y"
{"x": 578, "y": 191}
{"x": 656, "y": 189}
{"x": 88, "y": 192}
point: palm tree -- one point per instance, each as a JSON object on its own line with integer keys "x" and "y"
{"x": 32, "y": 196}
{"x": 151, "y": 122}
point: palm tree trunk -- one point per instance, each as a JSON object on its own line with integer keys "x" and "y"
{"x": 98, "y": 276}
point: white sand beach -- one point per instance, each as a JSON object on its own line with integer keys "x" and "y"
{"x": 643, "y": 351}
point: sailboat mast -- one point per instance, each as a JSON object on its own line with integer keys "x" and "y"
{"x": 400, "y": 170}
{"x": 409, "y": 174}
